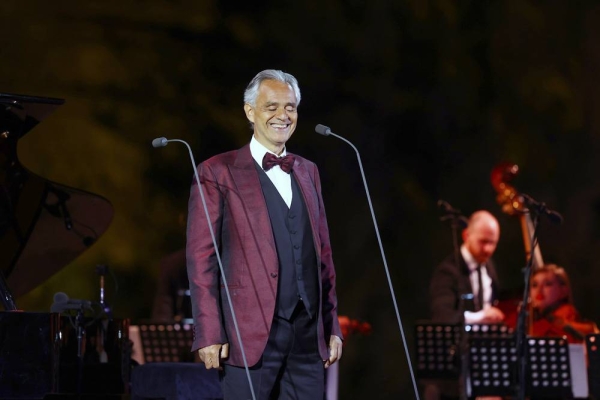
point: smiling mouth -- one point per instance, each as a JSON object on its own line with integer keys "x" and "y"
{"x": 281, "y": 128}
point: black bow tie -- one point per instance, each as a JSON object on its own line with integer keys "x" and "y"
{"x": 270, "y": 160}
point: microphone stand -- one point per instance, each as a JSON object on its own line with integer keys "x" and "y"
{"x": 101, "y": 270}
{"x": 79, "y": 323}
{"x": 521, "y": 333}
{"x": 6, "y": 295}
{"x": 323, "y": 130}
{"x": 456, "y": 219}
{"x": 161, "y": 142}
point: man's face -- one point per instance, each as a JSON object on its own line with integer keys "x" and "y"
{"x": 546, "y": 290}
{"x": 481, "y": 240}
{"x": 274, "y": 115}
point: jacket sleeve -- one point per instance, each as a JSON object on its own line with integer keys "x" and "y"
{"x": 202, "y": 264}
{"x": 444, "y": 293}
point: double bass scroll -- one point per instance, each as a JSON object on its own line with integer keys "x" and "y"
{"x": 513, "y": 203}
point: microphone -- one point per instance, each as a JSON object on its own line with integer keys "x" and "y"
{"x": 62, "y": 302}
{"x": 447, "y": 208}
{"x": 59, "y": 209}
{"x": 88, "y": 241}
{"x": 323, "y": 130}
{"x": 162, "y": 142}
{"x": 452, "y": 213}
{"x": 541, "y": 208}
{"x": 66, "y": 216}
{"x": 60, "y": 297}
{"x": 326, "y": 131}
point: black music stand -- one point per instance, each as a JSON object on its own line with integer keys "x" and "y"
{"x": 438, "y": 350}
{"x": 491, "y": 366}
{"x": 592, "y": 344}
{"x": 549, "y": 371}
{"x": 166, "y": 342}
{"x": 490, "y": 350}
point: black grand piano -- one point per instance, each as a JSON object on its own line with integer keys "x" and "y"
{"x": 43, "y": 227}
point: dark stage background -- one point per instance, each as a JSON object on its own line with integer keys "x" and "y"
{"x": 433, "y": 93}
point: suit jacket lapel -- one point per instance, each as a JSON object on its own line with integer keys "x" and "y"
{"x": 251, "y": 196}
{"x": 465, "y": 272}
{"x": 307, "y": 187}
{"x": 491, "y": 270}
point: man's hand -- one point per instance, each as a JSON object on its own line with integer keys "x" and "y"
{"x": 489, "y": 315}
{"x": 211, "y": 355}
{"x": 335, "y": 350}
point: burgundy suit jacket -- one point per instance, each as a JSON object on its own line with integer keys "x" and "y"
{"x": 240, "y": 221}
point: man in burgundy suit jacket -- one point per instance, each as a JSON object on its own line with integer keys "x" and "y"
{"x": 271, "y": 230}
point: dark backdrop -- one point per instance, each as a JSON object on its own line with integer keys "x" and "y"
{"x": 433, "y": 93}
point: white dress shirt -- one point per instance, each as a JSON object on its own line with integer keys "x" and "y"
{"x": 486, "y": 280}
{"x": 281, "y": 180}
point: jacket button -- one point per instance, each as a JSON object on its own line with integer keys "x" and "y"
{"x": 273, "y": 275}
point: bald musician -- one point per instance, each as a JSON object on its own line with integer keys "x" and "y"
{"x": 475, "y": 274}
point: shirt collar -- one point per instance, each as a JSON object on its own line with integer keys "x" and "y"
{"x": 468, "y": 257}
{"x": 258, "y": 151}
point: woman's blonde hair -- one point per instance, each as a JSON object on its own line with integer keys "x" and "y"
{"x": 561, "y": 276}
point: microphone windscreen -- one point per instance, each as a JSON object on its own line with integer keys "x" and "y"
{"x": 159, "y": 142}
{"x": 444, "y": 205}
{"x": 555, "y": 217}
{"x": 60, "y": 297}
{"x": 322, "y": 130}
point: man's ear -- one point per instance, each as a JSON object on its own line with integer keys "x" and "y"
{"x": 249, "y": 110}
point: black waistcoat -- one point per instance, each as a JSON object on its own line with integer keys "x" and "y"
{"x": 295, "y": 249}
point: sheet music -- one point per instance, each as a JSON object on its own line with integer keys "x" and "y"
{"x": 579, "y": 377}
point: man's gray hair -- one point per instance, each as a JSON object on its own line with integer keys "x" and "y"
{"x": 251, "y": 92}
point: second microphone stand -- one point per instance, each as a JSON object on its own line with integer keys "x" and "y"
{"x": 456, "y": 222}
{"x": 521, "y": 333}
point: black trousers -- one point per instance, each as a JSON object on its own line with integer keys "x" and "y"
{"x": 290, "y": 367}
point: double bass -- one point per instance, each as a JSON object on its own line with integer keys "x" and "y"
{"x": 560, "y": 319}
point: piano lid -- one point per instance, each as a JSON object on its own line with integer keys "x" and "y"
{"x": 43, "y": 225}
